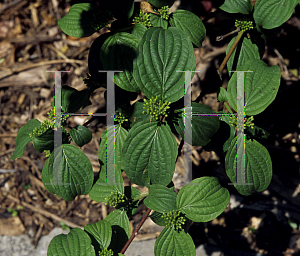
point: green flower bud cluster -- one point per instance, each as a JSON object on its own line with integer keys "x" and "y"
{"x": 120, "y": 118}
{"x": 46, "y": 125}
{"x": 143, "y": 19}
{"x": 248, "y": 122}
{"x": 51, "y": 116}
{"x": 244, "y": 24}
{"x": 106, "y": 252}
{"x": 164, "y": 12}
{"x": 173, "y": 218}
{"x": 156, "y": 109}
{"x": 115, "y": 198}
{"x": 48, "y": 153}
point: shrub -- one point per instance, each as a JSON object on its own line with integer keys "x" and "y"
{"x": 149, "y": 45}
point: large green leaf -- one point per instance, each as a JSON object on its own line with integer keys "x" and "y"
{"x": 261, "y": 86}
{"x": 237, "y": 6}
{"x": 75, "y": 243}
{"x": 161, "y": 199}
{"x": 100, "y": 233}
{"x": 83, "y": 19}
{"x": 171, "y": 242}
{"x": 273, "y": 13}
{"x": 73, "y": 100}
{"x": 203, "y": 199}
{"x": 161, "y": 53}
{"x": 23, "y": 137}
{"x": 245, "y": 50}
{"x": 119, "y": 134}
{"x": 120, "y": 229}
{"x": 81, "y": 135}
{"x": 203, "y": 127}
{"x": 150, "y": 146}
{"x": 117, "y": 53}
{"x": 258, "y": 166}
{"x": 100, "y": 190}
{"x": 191, "y": 24}
{"x": 77, "y": 176}
{"x": 158, "y": 21}
{"x": 138, "y": 30}
{"x": 44, "y": 141}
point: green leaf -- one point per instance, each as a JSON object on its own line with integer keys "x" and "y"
{"x": 100, "y": 190}
{"x": 156, "y": 217}
{"x": 81, "y": 135}
{"x": 237, "y": 6}
{"x": 222, "y": 96}
{"x": 160, "y": 3}
{"x": 161, "y": 199}
{"x": 73, "y": 100}
{"x": 138, "y": 30}
{"x": 191, "y": 24}
{"x": 258, "y": 166}
{"x": 158, "y": 21}
{"x": 203, "y": 199}
{"x": 245, "y": 50}
{"x": 137, "y": 115}
{"x": 121, "y": 229}
{"x": 83, "y": 20}
{"x": 261, "y": 86}
{"x": 150, "y": 146}
{"x": 117, "y": 53}
{"x": 75, "y": 243}
{"x": 44, "y": 142}
{"x": 100, "y": 233}
{"x": 171, "y": 242}
{"x": 23, "y": 137}
{"x": 273, "y": 13}
{"x": 203, "y": 127}
{"x": 161, "y": 53}
{"x": 119, "y": 134}
{"x": 77, "y": 176}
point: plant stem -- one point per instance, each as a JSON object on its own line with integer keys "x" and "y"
{"x": 135, "y": 232}
{"x": 140, "y": 196}
{"x": 228, "y": 108}
{"x": 236, "y": 41}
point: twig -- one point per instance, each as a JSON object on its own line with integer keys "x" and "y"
{"x": 14, "y": 71}
{"x": 33, "y": 40}
{"x": 236, "y": 41}
{"x": 60, "y": 54}
{"x": 5, "y": 6}
{"x": 220, "y": 38}
{"x": 135, "y": 232}
{"x": 43, "y": 212}
{"x": 7, "y": 151}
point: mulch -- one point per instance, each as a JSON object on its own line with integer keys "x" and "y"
{"x": 32, "y": 43}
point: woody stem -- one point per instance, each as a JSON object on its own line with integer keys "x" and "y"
{"x": 236, "y": 41}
